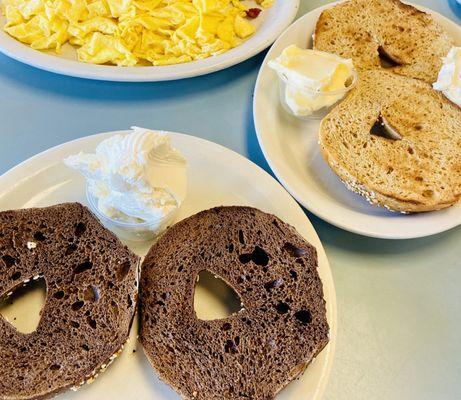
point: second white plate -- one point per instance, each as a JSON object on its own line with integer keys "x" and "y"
{"x": 292, "y": 151}
{"x": 217, "y": 176}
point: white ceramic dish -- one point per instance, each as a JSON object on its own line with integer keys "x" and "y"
{"x": 270, "y": 24}
{"x": 44, "y": 180}
{"x": 291, "y": 149}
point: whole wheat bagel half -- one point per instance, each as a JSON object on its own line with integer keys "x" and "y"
{"x": 370, "y": 31}
{"x": 397, "y": 142}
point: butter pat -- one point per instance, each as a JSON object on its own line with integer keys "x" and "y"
{"x": 137, "y": 178}
{"x": 449, "y": 79}
{"x": 312, "y": 79}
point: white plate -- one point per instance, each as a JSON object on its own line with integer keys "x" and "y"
{"x": 292, "y": 151}
{"x": 270, "y": 24}
{"x": 217, "y": 176}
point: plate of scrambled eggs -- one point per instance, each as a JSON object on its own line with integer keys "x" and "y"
{"x": 140, "y": 40}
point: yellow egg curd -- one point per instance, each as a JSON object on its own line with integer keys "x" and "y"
{"x": 131, "y": 32}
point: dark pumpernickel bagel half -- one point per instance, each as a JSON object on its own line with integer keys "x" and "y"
{"x": 91, "y": 280}
{"x": 255, "y": 352}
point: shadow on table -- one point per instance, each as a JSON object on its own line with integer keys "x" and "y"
{"x": 88, "y": 90}
{"x": 254, "y": 152}
{"x": 339, "y": 238}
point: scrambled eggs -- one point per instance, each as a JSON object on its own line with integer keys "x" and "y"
{"x": 129, "y": 32}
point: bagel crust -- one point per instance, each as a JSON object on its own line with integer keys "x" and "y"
{"x": 91, "y": 295}
{"x": 414, "y": 165}
{"x": 256, "y": 351}
{"x": 365, "y": 29}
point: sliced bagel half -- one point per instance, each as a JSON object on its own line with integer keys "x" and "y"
{"x": 384, "y": 33}
{"x": 256, "y": 351}
{"x": 397, "y": 142}
{"x": 91, "y": 296}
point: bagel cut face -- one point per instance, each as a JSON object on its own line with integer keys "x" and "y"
{"x": 397, "y": 142}
{"x": 384, "y": 34}
{"x": 256, "y": 351}
{"x": 91, "y": 295}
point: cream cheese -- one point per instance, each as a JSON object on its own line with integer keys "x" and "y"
{"x": 135, "y": 178}
{"x": 313, "y": 79}
{"x": 449, "y": 79}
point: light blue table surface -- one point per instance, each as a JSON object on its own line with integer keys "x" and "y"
{"x": 399, "y": 303}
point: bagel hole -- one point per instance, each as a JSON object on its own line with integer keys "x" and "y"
{"x": 22, "y": 309}
{"x": 214, "y": 298}
{"x": 386, "y": 60}
{"x": 382, "y": 128}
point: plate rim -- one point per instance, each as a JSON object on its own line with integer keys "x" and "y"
{"x": 20, "y": 52}
{"x": 273, "y": 162}
{"x": 18, "y": 170}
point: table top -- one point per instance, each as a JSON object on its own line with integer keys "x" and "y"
{"x": 399, "y": 302}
